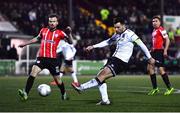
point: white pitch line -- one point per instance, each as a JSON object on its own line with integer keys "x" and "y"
{"x": 177, "y": 91}
{"x": 129, "y": 89}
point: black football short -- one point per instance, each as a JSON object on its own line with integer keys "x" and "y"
{"x": 116, "y": 65}
{"x": 158, "y": 55}
{"x": 48, "y": 63}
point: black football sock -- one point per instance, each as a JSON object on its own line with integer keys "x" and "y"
{"x": 62, "y": 88}
{"x": 153, "y": 80}
{"x": 98, "y": 81}
{"x": 166, "y": 80}
{"x": 29, "y": 83}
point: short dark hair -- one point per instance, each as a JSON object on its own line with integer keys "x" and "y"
{"x": 53, "y": 15}
{"x": 156, "y": 17}
{"x": 119, "y": 19}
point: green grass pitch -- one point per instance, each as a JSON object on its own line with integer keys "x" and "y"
{"x": 127, "y": 94}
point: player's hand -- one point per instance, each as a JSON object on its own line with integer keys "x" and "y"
{"x": 68, "y": 30}
{"x": 89, "y": 48}
{"x": 165, "y": 54}
{"x": 151, "y": 61}
{"x": 21, "y": 45}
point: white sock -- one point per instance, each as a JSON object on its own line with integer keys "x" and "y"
{"x": 103, "y": 91}
{"x": 89, "y": 84}
{"x": 60, "y": 74}
{"x": 74, "y": 76}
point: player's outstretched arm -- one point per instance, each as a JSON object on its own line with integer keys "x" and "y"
{"x": 34, "y": 40}
{"x": 89, "y": 48}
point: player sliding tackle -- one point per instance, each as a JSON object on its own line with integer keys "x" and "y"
{"x": 124, "y": 39}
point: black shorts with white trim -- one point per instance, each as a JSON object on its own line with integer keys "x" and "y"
{"x": 116, "y": 65}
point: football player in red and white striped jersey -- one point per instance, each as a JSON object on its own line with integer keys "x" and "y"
{"x": 49, "y": 38}
{"x": 160, "y": 45}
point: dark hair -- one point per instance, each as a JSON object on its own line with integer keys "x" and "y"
{"x": 118, "y": 19}
{"x": 53, "y": 15}
{"x": 156, "y": 17}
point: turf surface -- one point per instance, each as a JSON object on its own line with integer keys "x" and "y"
{"x": 127, "y": 93}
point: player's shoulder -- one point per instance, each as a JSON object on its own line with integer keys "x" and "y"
{"x": 129, "y": 32}
{"x": 59, "y": 30}
{"x": 161, "y": 28}
{"x": 44, "y": 28}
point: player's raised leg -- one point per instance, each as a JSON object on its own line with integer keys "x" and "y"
{"x": 103, "y": 75}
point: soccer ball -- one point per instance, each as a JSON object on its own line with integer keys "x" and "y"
{"x": 44, "y": 90}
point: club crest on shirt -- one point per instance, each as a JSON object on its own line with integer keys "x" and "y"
{"x": 56, "y": 35}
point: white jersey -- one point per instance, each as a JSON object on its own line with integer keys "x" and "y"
{"x": 67, "y": 49}
{"x": 124, "y": 45}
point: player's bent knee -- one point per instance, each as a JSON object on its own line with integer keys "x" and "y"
{"x": 35, "y": 70}
{"x": 162, "y": 71}
{"x": 104, "y": 74}
{"x": 150, "y": 69}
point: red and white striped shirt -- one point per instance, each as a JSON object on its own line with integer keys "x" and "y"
{"x": 158, "y": 36}
{"x": 49, "y": 42}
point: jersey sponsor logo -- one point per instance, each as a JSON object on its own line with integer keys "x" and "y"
{"x": 49, "y": 41}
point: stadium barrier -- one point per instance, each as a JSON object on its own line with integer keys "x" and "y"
{"x": 82, "y": 67}
{"x": 87, "y": 67}
{"x": 7, "y": 67}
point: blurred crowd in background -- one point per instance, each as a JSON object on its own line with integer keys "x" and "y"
{"x": 92, "y": 23}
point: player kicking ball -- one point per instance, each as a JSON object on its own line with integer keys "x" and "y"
{"x": 124, "y": 39}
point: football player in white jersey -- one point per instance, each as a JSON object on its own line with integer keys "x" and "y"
{"x": 124, "y": 39}
{"x": 68, "y": 52}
